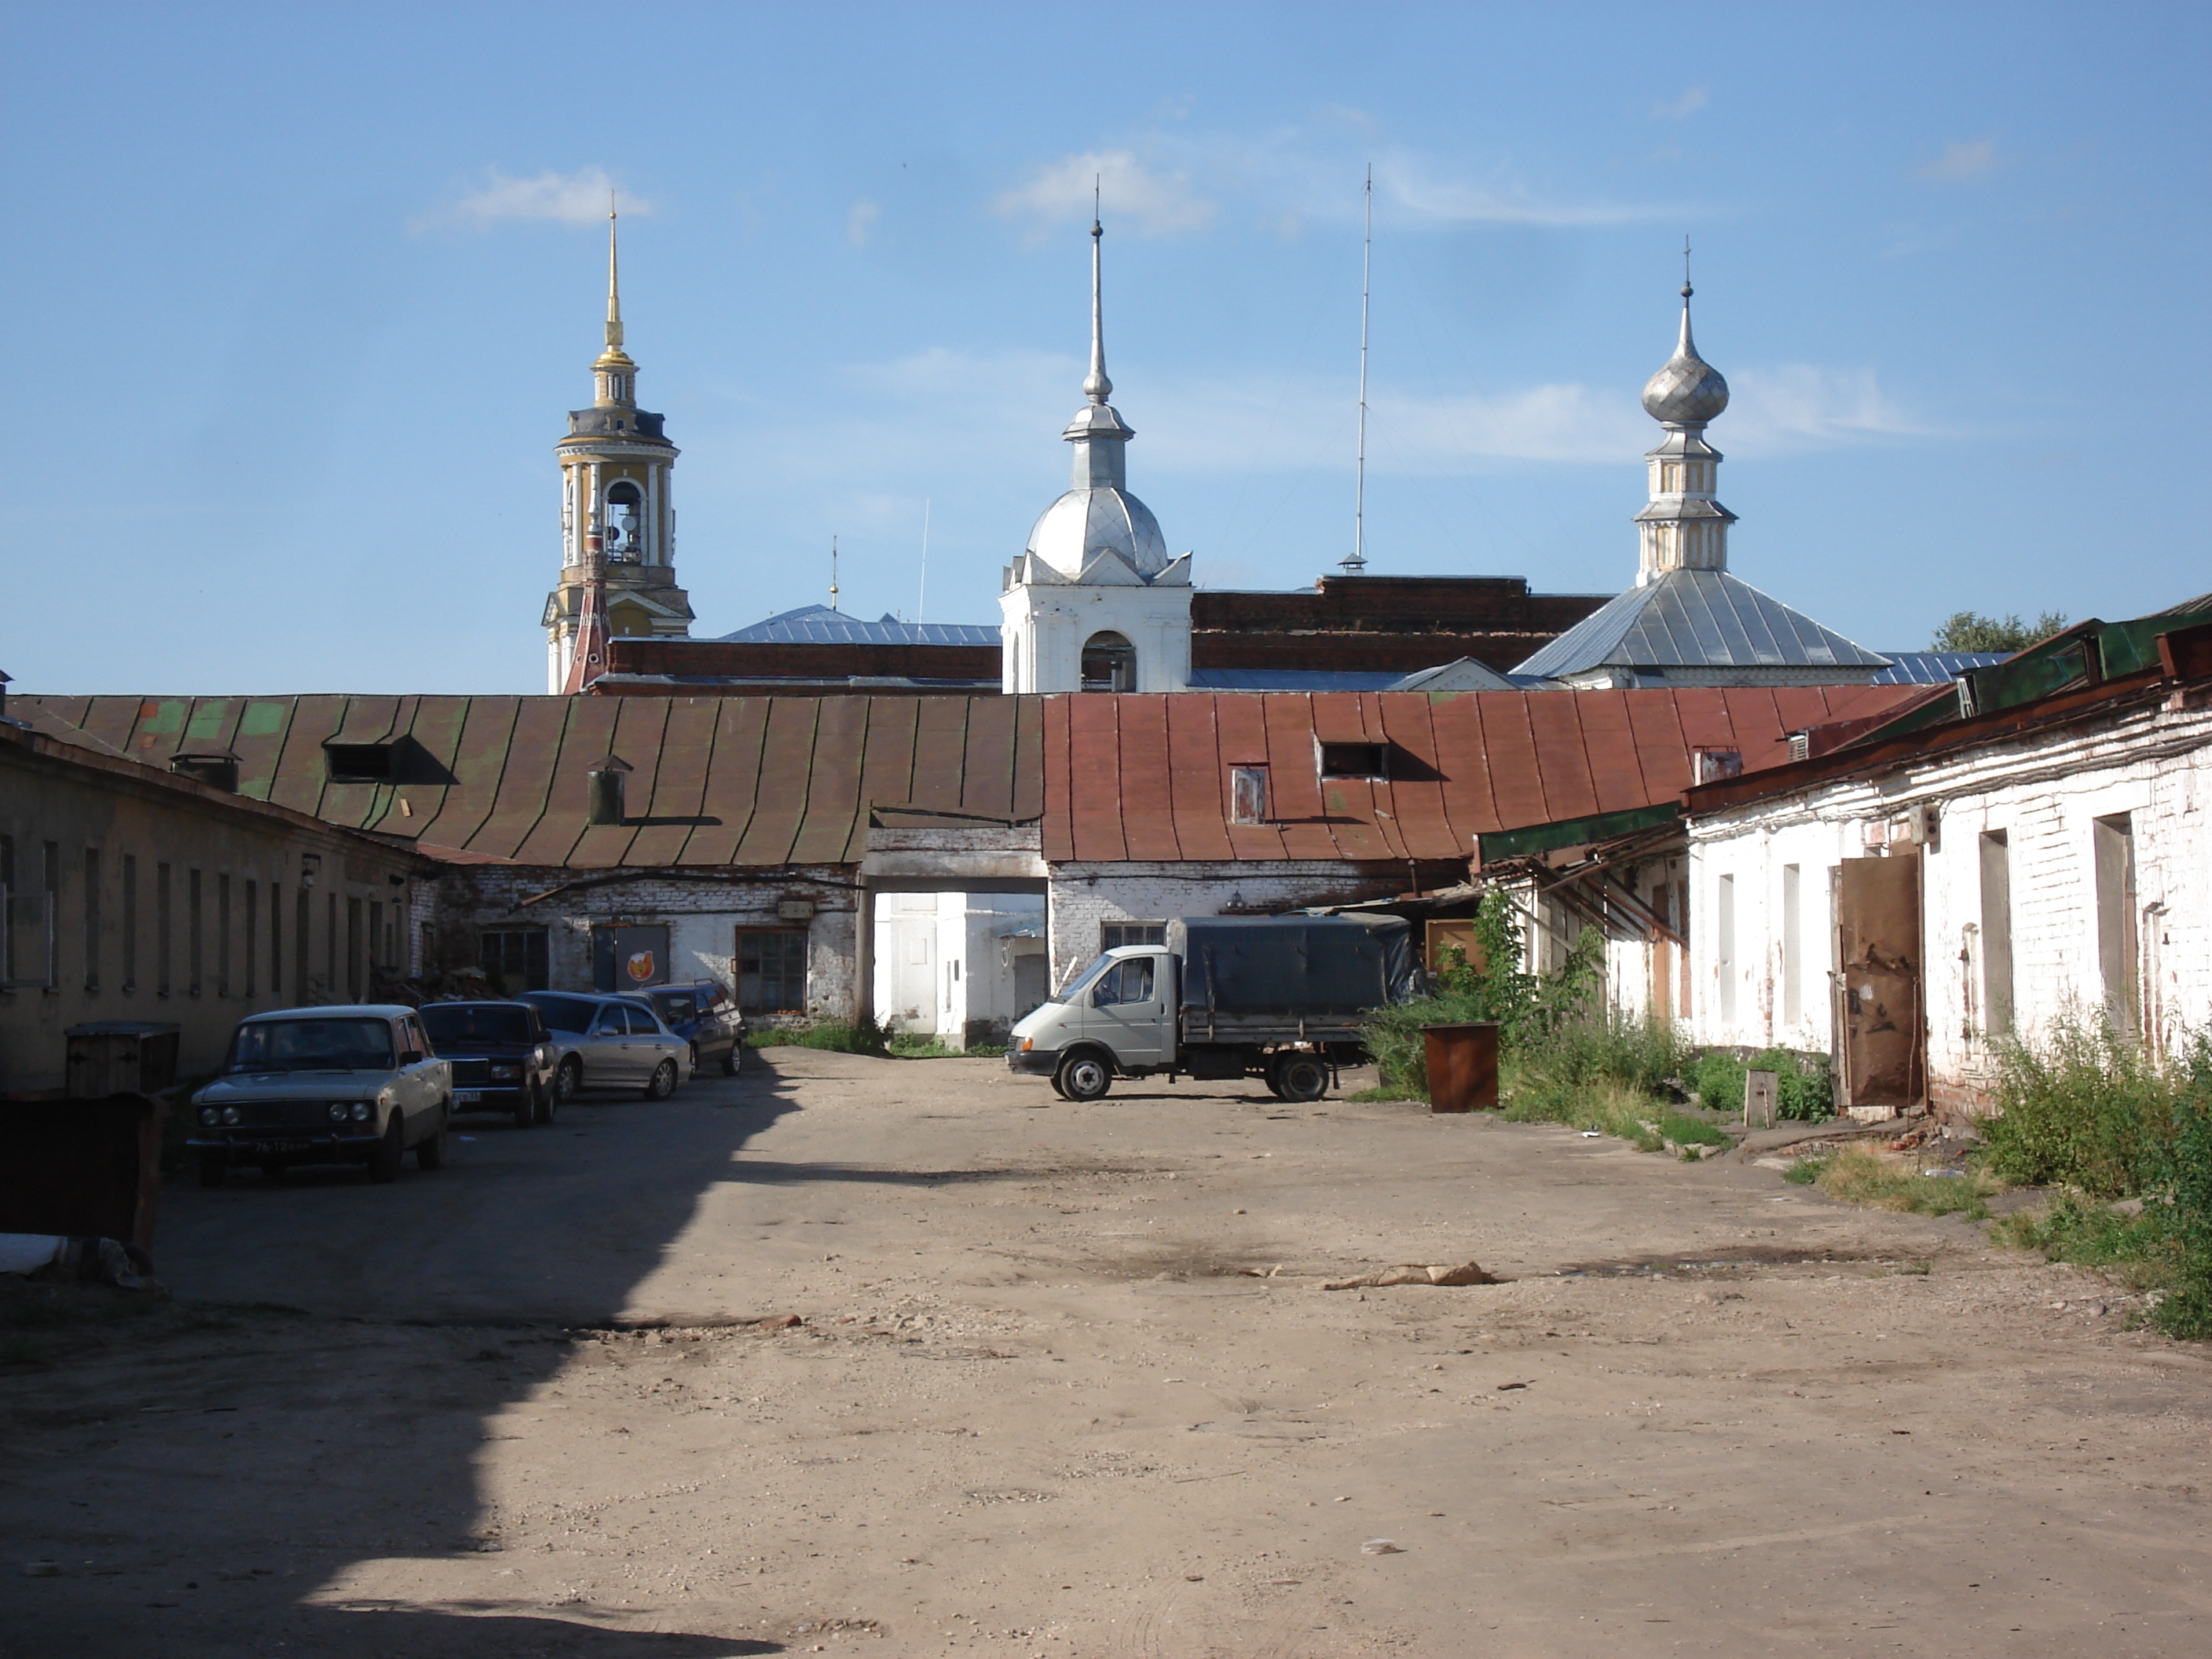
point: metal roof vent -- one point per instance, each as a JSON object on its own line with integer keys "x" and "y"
{"x": 606, "y": 782}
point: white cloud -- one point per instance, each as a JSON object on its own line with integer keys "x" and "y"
{"x": 1961, "y": 162}
{"x": 859, "y": 221}
{"x": 1674, "y": 109}
{"x": 1802, "y": 406}
{"x": 581, "y": 198}
{"x": 1160, "y": 204}
{"x": 1428, "y": 193}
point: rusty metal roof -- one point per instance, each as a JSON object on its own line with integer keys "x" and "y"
{"x": 716, "y": 781}
{"x": 1139, "y": 777}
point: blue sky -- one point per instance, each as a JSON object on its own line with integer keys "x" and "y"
{"x": 299, "y": 296}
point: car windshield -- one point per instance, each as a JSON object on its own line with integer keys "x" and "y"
{"x": 1081, "y": 982}
{"x": 467, "y": 1022}
{"x": 675, "y": 1005}
{"x": 564, "y": 1014}
{"x": 310, "y": 1045}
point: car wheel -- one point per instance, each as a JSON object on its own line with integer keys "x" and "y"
{"x": 662, "y": 1082}
{"x": 214, "y": 1169}
{"x": 430, "y": 1152}
{"x": 1299, "y": 1077}
{"x": 568, "y": 1080}
{"x": 384, "y": 1162}
{"x": 734, "y": 1061}
{"x": 1083, "y": 1077}
{"x": 541, "y": 1103}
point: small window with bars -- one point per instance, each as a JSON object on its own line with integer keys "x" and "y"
{"x": 513, "y": 959}
{"x": 1114, "y": 933}
{"x": 772, "y": 970}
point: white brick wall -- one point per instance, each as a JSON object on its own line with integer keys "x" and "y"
{"x": 2046, "y": 794}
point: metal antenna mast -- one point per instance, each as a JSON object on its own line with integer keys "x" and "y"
{"x": 833, "y": 573}
{"x": 1358, "y": 561}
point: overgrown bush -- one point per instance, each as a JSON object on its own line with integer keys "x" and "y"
{"x": 2083, "y": 1107}
{"x": 2088, "y": 1110}
{"x": 1859, "y": 1176}
{"x": 1804, "y": 1086}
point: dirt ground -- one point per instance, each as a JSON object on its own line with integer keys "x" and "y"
{"x": 1067, "y": 1384}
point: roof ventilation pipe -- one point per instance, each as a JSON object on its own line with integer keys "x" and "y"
{"x": 607, "y": 804}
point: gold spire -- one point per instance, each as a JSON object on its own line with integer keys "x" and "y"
{"x": 613, "y": 357}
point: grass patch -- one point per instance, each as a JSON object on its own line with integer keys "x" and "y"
{"x": 1385, "y": 1091}
{"x": 1858, "y": 1176}
{"x": 862, "y": 1037}
{"x": 915, "y": 1045}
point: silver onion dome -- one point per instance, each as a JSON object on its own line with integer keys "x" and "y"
{"x": 1687, "y": 391}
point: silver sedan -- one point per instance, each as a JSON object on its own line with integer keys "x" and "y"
{"x": 609, "y": 1042}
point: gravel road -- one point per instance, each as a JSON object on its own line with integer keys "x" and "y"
{"x": 1065, "y": 1383}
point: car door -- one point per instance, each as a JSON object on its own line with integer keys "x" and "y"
{"x": 1127, "y": 1011}
{"x": 610, "y": 1057}
{"x": 651, "y": 1042}
{"x": 410, "y": 1065}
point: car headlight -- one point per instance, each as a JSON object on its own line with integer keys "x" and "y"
{"x": 361, "y": 1111}
{"x": 337, "y": 1111}
{"x": 1028, "y": 1043}
{"x": 506, "y": 1071}
{"x": 211, "y": 1117}
{"x": 230, "y": 1114}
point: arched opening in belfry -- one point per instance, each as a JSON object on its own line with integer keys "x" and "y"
{"x": 1110, "y": 663}
{"x": 625, "y": 529}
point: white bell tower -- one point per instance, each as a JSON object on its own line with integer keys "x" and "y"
{"x": 1094, "y": 602}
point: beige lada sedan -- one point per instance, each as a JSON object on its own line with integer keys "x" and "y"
{"x": 357, "y": 1082}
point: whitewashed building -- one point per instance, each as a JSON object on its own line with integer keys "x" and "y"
{"x": 2035, "y": 845}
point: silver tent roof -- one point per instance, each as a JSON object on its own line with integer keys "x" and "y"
{"x": 1697, "y": 619}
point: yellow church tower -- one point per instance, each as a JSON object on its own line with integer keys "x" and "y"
{"x": 617, "y": 527}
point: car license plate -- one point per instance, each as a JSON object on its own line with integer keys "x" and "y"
{"x": 265, "y": 1146}
{"x": 467, "y": 1096}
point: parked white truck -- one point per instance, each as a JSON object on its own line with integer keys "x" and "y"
{"x": 1281, "y": 998}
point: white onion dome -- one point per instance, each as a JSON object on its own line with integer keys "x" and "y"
{"x": 1687, "y": 391}
{"x": 1086, "y": 522}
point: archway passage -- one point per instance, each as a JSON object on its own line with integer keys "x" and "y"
{"x": 1110, "y": 663}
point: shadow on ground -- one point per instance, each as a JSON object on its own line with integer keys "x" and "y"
{"x": 319, "y": 1391}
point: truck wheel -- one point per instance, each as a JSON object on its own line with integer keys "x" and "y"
{"x": 1083, "y": 1077}
{"x": 384, "y": 1162}
{"x": 214, "y": 1169}
{"x": 1299, "y": 1077}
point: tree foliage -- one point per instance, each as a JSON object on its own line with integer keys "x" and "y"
{"x": 1969, "y": 630}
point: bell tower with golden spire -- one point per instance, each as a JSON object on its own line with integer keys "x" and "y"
{"x": 617, "y": 527}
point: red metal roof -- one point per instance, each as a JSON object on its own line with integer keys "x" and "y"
{"x": 1146, "y": 777}
{"x": 715, "y": 781}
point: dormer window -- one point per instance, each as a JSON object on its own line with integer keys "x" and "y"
{"x": 1248, "y": 794}
{"x": 1355, "y": 759}
{"x": 358, "y": 763}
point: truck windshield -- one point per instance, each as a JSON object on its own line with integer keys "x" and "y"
{"x": 1081, "y": 982}
{"x": 310, "y": 1045}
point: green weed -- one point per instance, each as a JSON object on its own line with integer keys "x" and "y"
{"x": 1859, "y": 1176}
{"x": 862, "y": 1037}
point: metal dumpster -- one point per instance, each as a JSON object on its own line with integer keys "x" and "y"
{"x": 1462, "y": 1066}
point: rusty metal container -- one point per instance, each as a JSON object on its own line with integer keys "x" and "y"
{"x": 84, "y": 1168}
{"x": 1462, "y": 1066}
{"x": 121, "y": 1057}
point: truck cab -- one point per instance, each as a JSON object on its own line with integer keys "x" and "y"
{"x": 1117, "y": 1016}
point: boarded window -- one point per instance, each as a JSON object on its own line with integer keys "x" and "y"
{"x": 772, "y": 970}
{"x": 130, "y": 921}
{"x": 1248, "y": 794}
{"x": 2115, "y": 842}
{"x": 513, "y": 959}
{"x": 1996, "y": 934}
{"x": 92, "y": 918}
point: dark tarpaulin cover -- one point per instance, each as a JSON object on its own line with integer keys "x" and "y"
{"x": 1308, "y": 965}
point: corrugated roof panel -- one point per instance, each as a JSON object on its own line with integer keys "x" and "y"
{"x": 817, "y": 624}
{"x": 1509, "y": 757}
{"x": 829, "y": 831}
{"x": 1026, "y": 763}
{"x": 941, "y": 752}
{"x": 1056, "y": 832}
{"x": 526, "y": 779}
{"x": 1562, "y": 761}
{"x": 1610, "y": 742}
{"x": 1240, "y": 728}
{"x": 586, "y": 737}
{"x": 300, "y": 770}
{"x": 637, "y": 739}
{"x": 1197, "y": 777}
{"x": 477, "y": 762}
{"x": 734, "y": 782}
{"x": 260, "y": 744}
{"x": 1468, "y": 802}
{"x": 988, "y": 776}
{"x": 1663, "y": 753}
{"x": 1300, "y": 809}
{"x": 887, "y": 760}
{"x": 787, "y": 761}
{"x": 1417, "y": 788}
{"x": 1147, "y": 806}
{"x": 1094, "y": 786}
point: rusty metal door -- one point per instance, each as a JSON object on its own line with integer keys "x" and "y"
{"x": 1880, "y": 1049}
